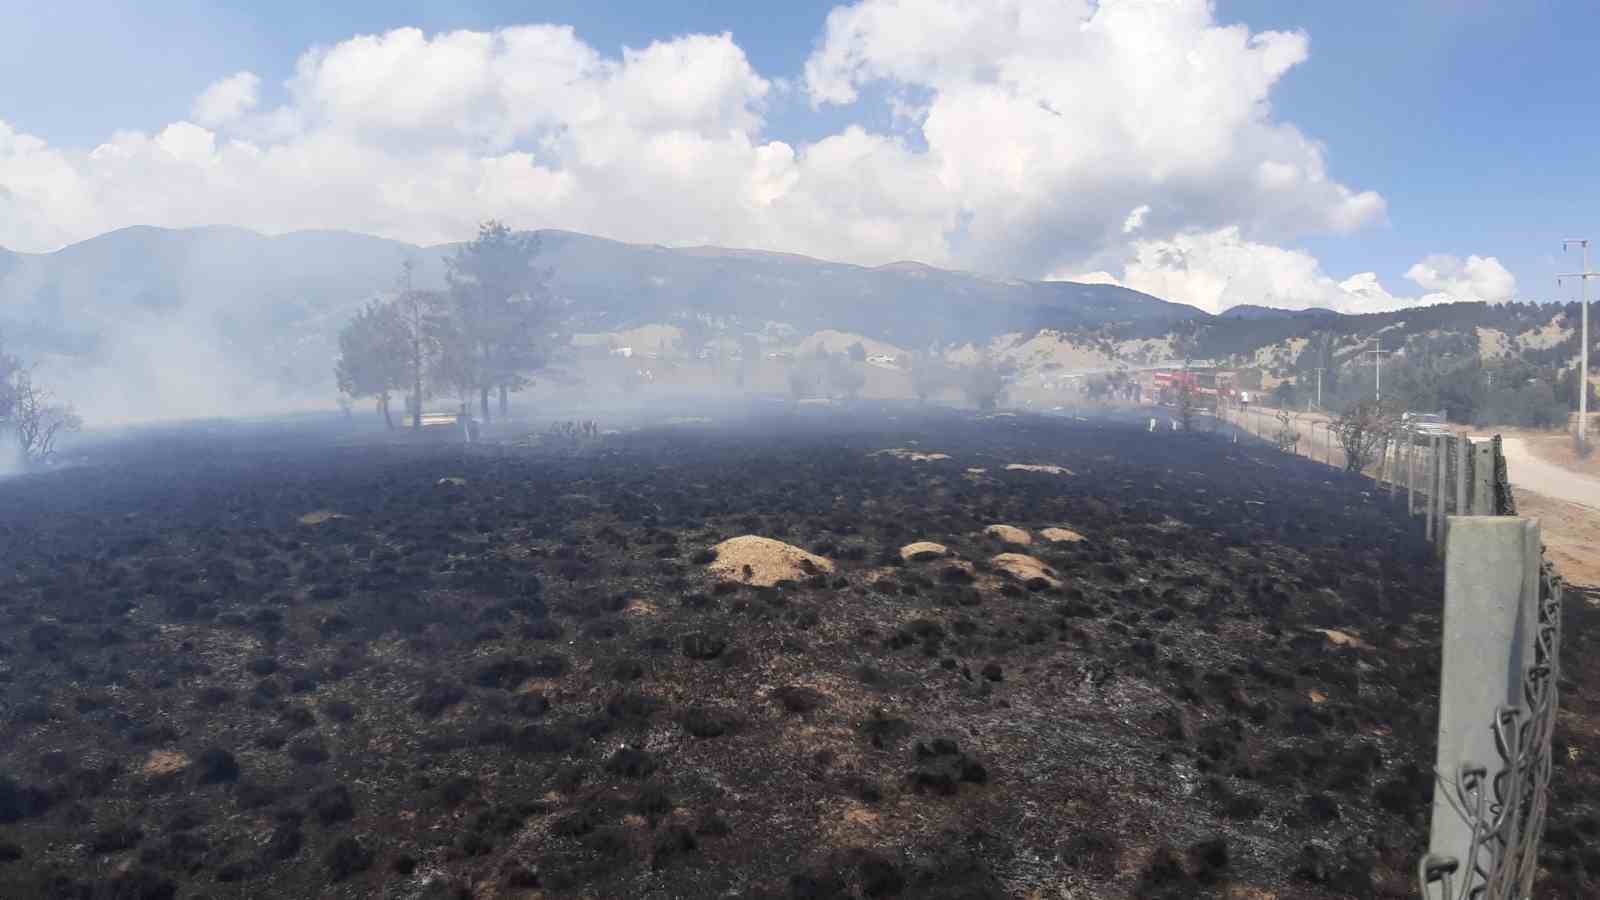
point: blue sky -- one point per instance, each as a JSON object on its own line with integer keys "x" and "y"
{"x": 1476, "y": 119}
{"x": 1472, "y": 119}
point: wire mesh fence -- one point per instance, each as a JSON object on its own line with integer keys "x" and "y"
{"x": 1490, "y": 805}
{"x": 1502, "y": 802}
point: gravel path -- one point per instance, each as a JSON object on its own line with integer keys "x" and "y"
{"x": 1531, "y": 473}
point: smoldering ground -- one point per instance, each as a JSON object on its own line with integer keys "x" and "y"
{"x": 507, "y": 667}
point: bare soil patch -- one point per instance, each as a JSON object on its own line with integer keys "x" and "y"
{"x": 1009, "y": 534}
{"x": 765, "y": 562}
{"x": 922, "y": 551}
{"x": 1038, "y": 467}
{"x": 1559, "y": 449}
{"x": 1571, "y": 535}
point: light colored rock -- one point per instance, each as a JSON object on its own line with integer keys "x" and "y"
{"x": 1026, "y": 569}
{"x": 1060, "y": 535}
{"x": 1039, "y": 467}
{"x": 751, "y": 559}
{"x": 320, "y": 516}
{"x": 453, "y": 480}
{"x": 638, "y": 607}
{"x": 1011, "y": 534}
{"x": 165, "y": 762}
{"x": 910, "y": 455}
{"x": 1343, "y": 639}
{"x": 923, "y": 550}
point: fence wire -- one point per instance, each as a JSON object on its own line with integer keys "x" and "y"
{"x": 1506, "y": 813}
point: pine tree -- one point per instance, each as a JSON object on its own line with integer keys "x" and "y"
{"x": 500, "y": 313}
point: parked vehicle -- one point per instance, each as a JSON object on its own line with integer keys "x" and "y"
{"x": 1208, "y": 387}
{"x": 1426, "y": 424}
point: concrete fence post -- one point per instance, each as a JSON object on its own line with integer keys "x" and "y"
{"x": 1393, "y": 450}
{"x": 1492, "y": 566}
{"x": 1463, "y": 451}
{"x": 1411, "y": 475}
{"x": 1441, "y": 477}
{"x": 1505, "y": 503}
{"x": 1441, "y": 485}
{"x": 1424, "y": 487}
{"x": 1431, "y": 486}
{"x": 1483, "y": 478}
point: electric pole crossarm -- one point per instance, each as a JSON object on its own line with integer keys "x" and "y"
{"x": 1377, "y": 369}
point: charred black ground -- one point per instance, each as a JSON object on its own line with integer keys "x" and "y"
{"x": 505, "y": 672}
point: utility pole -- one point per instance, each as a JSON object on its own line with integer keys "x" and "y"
{"x": 1583, "y": 348}
{"x": 1377, "y": 369}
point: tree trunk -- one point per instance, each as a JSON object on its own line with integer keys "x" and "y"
{"x": 416, "y": 395}
{"x": 383, "y": 406}
{"x": 483, "y": 402}
{"x": 503, "y": 401}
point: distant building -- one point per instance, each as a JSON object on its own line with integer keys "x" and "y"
{"x": 624, "y": 352}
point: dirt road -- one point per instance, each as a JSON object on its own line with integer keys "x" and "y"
{"x": 1530, "y": 473}
{"x": 1571, "y": 533}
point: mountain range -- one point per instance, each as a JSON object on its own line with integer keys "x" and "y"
{"x": 261, "y": 294}
{"x": 222, "y": 318}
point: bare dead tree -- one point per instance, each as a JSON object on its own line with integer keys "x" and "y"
{"x": 1288, "y": 436}
{"x": 1362, "y": 429}
{"x": 37, "y": 418}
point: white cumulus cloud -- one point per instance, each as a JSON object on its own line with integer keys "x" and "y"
{"x": 1215, "y": 270}
{"x": 226, "y": 100}
{"x": 1036, "y": 126}
{"x": 1476, "y": 278}
{"x": 1135, "y": 219}
{"x": 1045, "y": 115}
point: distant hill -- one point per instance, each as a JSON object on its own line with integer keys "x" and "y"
{"x": 219, "y": 318}
{"x": 615, "y": 285}
{"x": 211, "y": 320}
{"x": 1252, "y": 311}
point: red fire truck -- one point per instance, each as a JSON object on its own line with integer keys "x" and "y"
{"x": 1208, "y": 386}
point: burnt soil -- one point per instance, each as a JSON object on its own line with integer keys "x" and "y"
{"x": 526, "y": 685}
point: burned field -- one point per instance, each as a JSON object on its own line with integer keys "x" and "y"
{"x": 387, "y": 670}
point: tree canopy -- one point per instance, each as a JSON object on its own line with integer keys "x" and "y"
{"x": 373, "y": 349}
{"x": 500, "y": 312}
